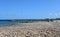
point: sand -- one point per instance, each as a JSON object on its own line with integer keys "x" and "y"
{"x": 36, "y": 29}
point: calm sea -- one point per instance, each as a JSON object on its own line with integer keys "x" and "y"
{"x": 3, "y": 23}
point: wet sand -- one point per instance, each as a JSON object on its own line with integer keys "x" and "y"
{"x": 36, "y": 29}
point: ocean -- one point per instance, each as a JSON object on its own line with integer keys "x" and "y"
{"x": 4, "y": 23}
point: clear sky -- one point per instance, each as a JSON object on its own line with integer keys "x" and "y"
{"x": 29, "y": 9}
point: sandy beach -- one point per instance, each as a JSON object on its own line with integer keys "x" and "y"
{"x": 35, "y": 29}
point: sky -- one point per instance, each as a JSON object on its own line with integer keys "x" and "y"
{"x": 29, "y": 9}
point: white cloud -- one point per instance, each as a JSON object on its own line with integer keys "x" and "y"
{"x": 57, "y": 14}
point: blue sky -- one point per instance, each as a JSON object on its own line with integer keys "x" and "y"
{"x": 29, "y": 9}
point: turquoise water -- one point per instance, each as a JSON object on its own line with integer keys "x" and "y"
{"x": 3, "y": 23}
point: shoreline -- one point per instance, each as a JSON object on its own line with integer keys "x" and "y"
{"x": 36, "y": 29}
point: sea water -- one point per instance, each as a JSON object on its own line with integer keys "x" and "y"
{"x": 3, "y": 23}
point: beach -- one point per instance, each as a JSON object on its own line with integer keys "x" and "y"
{"x": 35, "y": 29}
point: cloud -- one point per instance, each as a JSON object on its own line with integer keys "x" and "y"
{"x": 57, "y": 14}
